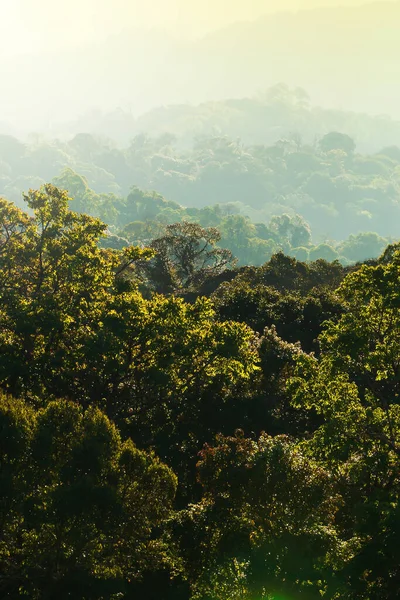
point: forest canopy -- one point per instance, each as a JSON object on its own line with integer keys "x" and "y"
{"x": 199, "y": 300}
{"x": 234, "y": 434}
{"x": 199, "y": 355}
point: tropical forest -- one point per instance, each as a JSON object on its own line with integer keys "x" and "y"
{"x": 199, "y": 303}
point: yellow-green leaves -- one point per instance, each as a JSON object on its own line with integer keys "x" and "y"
{"x": 55, "y": 285}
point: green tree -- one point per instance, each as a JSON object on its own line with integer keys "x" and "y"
{"x": 79, "y": 506}
{"x": 73, "y": 324}
{"x": 324, "y": 252}
{"x": 337, "y": 141}
{"x": 291, "y": 231}
{"x": 301, "y": 253}
{"x": 358, "y": 248}
{"x": 265, "y": 525}
{"x": 54, "y": 280}
{"x": 12, "y": 151}
{"x": 84, "y": 199}
{"x": 355, "y": 390}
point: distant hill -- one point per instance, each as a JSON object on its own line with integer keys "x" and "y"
{"x": 277, "y": 113}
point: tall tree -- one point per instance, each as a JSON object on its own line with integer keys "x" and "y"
{"x": 186, "y": 255}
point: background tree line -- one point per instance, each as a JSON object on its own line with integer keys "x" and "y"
{"x": 321, "y": 200}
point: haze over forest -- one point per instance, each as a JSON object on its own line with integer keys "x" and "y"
{"x": 60, "y": 60}
{"x": 199, "y": 300}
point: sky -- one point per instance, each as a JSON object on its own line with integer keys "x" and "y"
{"x": 343, "y": 58}
{"x": 31, "y": 25}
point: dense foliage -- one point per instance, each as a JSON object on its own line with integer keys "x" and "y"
{"x": 175, "y": 426}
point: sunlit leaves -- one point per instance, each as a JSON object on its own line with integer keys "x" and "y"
{"x": 355, "y": 390}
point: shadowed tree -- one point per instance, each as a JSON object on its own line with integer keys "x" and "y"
{"x": 185, "y": 256}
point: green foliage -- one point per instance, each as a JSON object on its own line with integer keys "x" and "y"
{"x": 75, "y": 325}
{"x": 355, "y": 390}
{"x": 299, "y": 360}
{"x": 266, "y": 514}
{"x": 362, "y": 246}
{"x": 324, "y": 251}
{"x": 337, "y": 141}
{"x": 302, "y": 254}
{"x": 77, "y": 502}
{"x": 297, "y": 313}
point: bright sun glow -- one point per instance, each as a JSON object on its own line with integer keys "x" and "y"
{"x": 13, "y": 38}
{"x": 27, "y": 25}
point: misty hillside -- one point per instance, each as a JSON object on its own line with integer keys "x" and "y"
{"x": 343, "y": 56}
{"x": 277, "y": 112}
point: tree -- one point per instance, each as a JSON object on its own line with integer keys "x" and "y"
{"x": 323, "y": 251}
{"x": 363, "y": 246}
{"x": 185, "y": 256}
{"x": 74, "y": 324}
{"x": 84, "y": 199}
{"x": 301, "y": 253}
{"x": 337, "y": 141}
{"x": 354, "y": 389}
{"x": 54, "y": 280}
{"x": 296, "y": 317}
{"x": 79, "y": 506}
{"x": 85, "y": 145}
{"x": 12, "y": 151}
{"x": 236, "y": 231}
{"x": 393, "y": 152}
{"x": 166, "y": 371}
{"x": 291, "y": 231}
{"x": 265, "y": 525}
